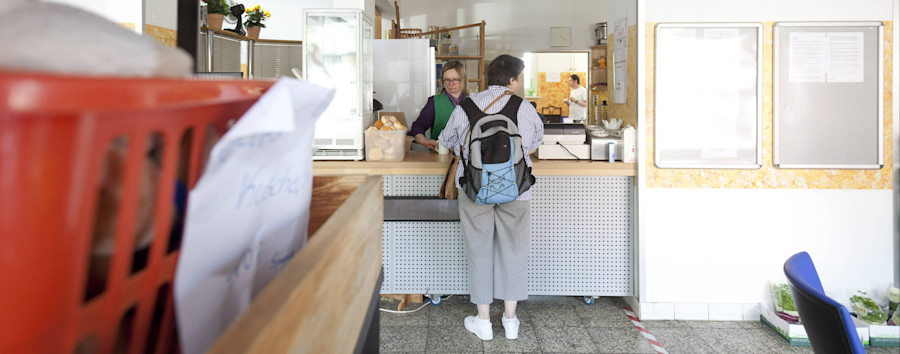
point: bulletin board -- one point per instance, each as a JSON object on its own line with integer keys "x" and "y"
{"x": 828, "y": 104}
{"x": 708, "y": 94}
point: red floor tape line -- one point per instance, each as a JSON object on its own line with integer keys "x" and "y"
{"x": 644, "y": 331}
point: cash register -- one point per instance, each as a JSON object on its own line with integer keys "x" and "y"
{"x": 567, "y": 141}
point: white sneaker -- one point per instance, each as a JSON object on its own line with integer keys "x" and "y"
{"x": 481, "y": 328}
{"x": 511, "y": 325}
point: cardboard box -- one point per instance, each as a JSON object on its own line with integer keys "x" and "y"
{"x": 388, "y": 145}
{"x": 795, "y": 334}
{"x": 884, "y": 336}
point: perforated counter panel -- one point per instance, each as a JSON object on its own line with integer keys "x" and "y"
{"x": 581, "y": 241}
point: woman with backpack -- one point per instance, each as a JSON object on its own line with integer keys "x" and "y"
{"x": 494, "y": 180}
{"x": 437, "y": 110}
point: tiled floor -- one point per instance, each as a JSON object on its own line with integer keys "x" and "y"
{"x": 560, "y": 324}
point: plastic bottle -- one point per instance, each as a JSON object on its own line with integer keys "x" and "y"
{"x": 531, "y": 88}
{"x": 604, "y": 112}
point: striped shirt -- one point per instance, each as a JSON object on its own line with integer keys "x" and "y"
{"x": 530, "y": 127}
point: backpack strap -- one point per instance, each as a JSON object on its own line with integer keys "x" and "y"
{"x": 511, "y": 110}
{"x": 471, "y": 110}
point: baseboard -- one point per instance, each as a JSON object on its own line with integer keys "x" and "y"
{"x": 694, "y": 311}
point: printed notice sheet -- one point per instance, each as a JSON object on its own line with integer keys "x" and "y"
{"x": 845, "y": 57}
{"x": 553, "y": 76}
{"x": 620, "y": 61}
{"x": 248, "y": 214}
{"x": 826, "y": 57}
{"x": 808, "y": 57}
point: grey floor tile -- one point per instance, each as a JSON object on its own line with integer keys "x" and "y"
{"x": 714, "y": 324}
{"x": 559, "y": 339}
{"x": 598, "y": 316}
{"x": 526, "y": 343}
{"x": 522, "y": 313}
{"x": 455, "y": 339}
{"x": 752, "y": 324}
{"x": 450, "y": 314}
{"x": 553, "y": 300}
{"x": 732, "y": 340}
{"x": 778, "y": 344}
{"x": 654, "y": 324}
{"x": 553, "y": 315}
{"x": 787, "y": 349}
{"x": 402, "y": 339}
{"x": 610, "y": 301}
{"x": 882, "y": 350}
{"x": 620, "y": 340}
{"x": 682, "y": 340}
{"x": 456, "y": 300}
{"x": 418, "y": 318}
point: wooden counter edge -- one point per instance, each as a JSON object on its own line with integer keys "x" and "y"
{"x": 614, "y": 169}
{"x": 318, "y": 302}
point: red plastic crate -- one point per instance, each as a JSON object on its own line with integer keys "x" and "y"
{"x": 55, "y": 134}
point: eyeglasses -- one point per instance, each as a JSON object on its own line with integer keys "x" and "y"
{"x": 452, "y": 81}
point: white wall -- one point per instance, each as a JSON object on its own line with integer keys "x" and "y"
{"x": 561, "y": 61}
{"x": 161, "y": 13}
{"x": 511, "y": 27}
{"x": 622, "y": 9}
{"x": 720, "y": 246}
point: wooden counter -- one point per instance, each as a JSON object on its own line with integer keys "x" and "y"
{"x": 430, "y": 163}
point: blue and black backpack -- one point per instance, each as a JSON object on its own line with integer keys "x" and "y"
{"x": 494, "y": 172}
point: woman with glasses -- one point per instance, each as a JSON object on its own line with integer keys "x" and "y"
{"x": 436, "y": 112}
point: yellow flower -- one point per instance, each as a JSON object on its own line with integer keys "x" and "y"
{"x": 268, "y": 14}
{"x": 247, "y": 11}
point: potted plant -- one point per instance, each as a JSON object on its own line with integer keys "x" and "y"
{"x": 215, "y": 12}
{"x": 255, "y": 18}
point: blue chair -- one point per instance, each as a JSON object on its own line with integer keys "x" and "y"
{"x": 828, "y": 323}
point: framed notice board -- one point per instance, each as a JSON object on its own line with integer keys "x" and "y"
{"x": 708, "y": 95}
{"x": 828, "y": 99}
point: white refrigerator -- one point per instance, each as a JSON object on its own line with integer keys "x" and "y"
{"x": 404, "y": 75}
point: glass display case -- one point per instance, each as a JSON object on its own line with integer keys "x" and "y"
{"x": 337, "y": 45}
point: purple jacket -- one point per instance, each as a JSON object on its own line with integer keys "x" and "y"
{"x": 426, "y": 116}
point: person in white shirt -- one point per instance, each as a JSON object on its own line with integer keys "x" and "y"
{"x": 577, "y": 100}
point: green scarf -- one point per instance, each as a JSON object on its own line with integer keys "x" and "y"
{"x": 442, "y": 110}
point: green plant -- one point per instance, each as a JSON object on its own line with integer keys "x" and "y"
{"x": 783, "y": 299}
{"x": 216, "y": 7}
{"x": 256, "y": 16}
{"x": 867, "y": 310}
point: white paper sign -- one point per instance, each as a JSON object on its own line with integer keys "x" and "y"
{"x": 553, "y": 76}
{"x": 620, "y": 61}
{"x": 249, "y": 212}
{"x": 808, "y": 57}
{"x": 845, "y": 57}
{"x": 620, "y": 75}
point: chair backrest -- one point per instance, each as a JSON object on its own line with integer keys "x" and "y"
{"x": 828, "y": 323}
{"x": 551, "y": 110}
